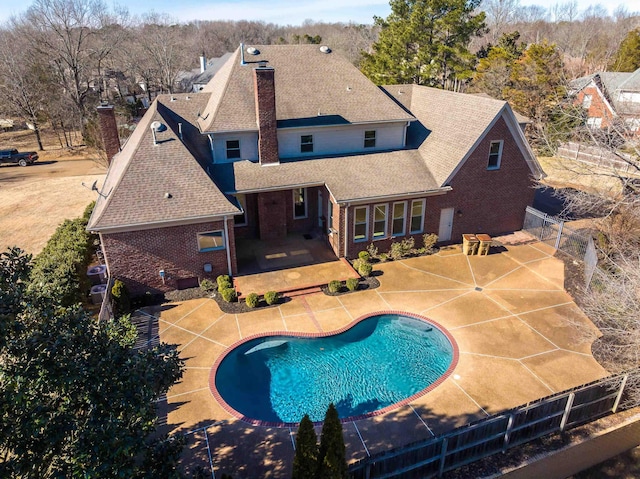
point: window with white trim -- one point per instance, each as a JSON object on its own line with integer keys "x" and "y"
{"x": 380, "y": 221}
{"x": 241, "y": 219}
{"x": 417, "y": 216}
{"x": 306, "y": 144}
{"x": 360, "y": 223}
{"x": 495, "y": 155}
{"x": 329, "y": 216}
{"x": 399, "y": 218}
{"x": 211, "y": 240}
{"x": 586, "y": 101}
{"x": 300, "y": 203}
{"x": 233, "y": 149}
{"x": 370, "y": 139}
{"x": 594, "y": 122}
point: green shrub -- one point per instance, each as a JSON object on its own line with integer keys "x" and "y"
{"x": 334, "y": 286}
{"x": 207, "y": 285}
{"x": 271, "y": 297}
{"x": 365, "y": 269}
{"x": 364, "y": 256}
{"x": 373, "y": 251}
{"x": 383, "y": 257}
{"x": 252, "y": 300}
{"x": 224, "y": 281}
{"x": 121, "y": 300}
{"x": 430, "y": 241}
{"x": 352, "y": 284}
{"x": 228, "y": 294}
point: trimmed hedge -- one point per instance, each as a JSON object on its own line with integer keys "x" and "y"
{"x": 352, "y": 284}
{"x": 271, "y": 297}
{"x": 334, "y": 286}
{"x": 228, "y": 294}
{"x": 252, "y": 300}
{"x": 224, "y": 281}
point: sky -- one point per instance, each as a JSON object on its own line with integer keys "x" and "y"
{"x": 283, "y": 12}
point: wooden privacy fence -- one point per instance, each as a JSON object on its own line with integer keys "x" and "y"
{"x": 488, "y": 436}
{"x": 601, "y": 157}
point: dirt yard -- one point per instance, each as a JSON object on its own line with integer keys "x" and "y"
{"x": 35, "y": 199}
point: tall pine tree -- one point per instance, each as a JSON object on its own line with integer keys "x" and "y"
{"x": 332, "y": 459}
{"x": 425, "y": 42}
{"x": 305, "y": 462}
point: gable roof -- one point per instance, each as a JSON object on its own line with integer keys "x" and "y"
{"x": 451, "y": 124}
{"x": 611, "y": 84}
{"x": 334, "y": 89}
{"x": 142, "y": 174}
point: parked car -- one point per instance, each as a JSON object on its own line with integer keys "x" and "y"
{"x": 14, "y": 156}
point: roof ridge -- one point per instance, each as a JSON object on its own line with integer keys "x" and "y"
{"x": 226, "y": 81}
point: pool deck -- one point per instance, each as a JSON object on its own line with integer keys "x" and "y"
{"x": 521, "y": 337}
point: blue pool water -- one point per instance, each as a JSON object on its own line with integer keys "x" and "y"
{"x": 378, "y": 362}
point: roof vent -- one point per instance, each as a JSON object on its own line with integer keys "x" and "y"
{"x": 325, "y": 49}
{"x": 253, "y": 51}
{"x": 157, "y": 126}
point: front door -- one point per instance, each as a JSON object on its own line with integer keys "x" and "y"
{"x": 446, "y": 224}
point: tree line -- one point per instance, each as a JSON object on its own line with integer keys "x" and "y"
{"x": 60, "y": 58}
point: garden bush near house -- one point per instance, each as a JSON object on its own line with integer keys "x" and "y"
{"x": 373, "y": 251}
{"x": 365, "y": 269}
{"x": 352, "y": 284}
{"x": 120, "y": 298}
{"x": 252, "y": 300}
{"x": 228, "y": 294}
{"x": 402, "y": 249}
{"x": 60, "y": 270}
{"x": 383, "y": 257}
{"x": 207, "y": 285}
{"x": 429, "y": 241}
{"x": 271, "y": 297}
{"x": 334, "y": 286}
{"x": 364, "y": 256}
{"x": 224, "y": 281}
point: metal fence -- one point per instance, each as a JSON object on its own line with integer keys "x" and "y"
{"x": 483, "y": 438}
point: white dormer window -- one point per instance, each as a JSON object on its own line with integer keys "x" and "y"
{"x": 495, "y": 155}
{"x": 306, "y": 144}
{"x": 233, "y": 149}
{"x": 370, "y": 139}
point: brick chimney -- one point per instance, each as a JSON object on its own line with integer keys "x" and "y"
{"x": 109, "y": 130}
{"x": 265, "y": 91}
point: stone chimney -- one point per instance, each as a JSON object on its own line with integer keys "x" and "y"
{"x": 203, "y": 63}
{"x": 109, "y": 130}
{"x": 265, "y": 91}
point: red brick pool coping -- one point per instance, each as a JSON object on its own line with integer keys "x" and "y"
{"x": 378, "y": 412}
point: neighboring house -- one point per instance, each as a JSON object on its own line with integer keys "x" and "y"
{"x": 196, "y": 79}
{"x": 607, "y": 96}
{"x": 293, "y": 139}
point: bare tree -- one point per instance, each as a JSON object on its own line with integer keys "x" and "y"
{"x": 500, "y": 15}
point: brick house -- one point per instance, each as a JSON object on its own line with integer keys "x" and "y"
{"x": 610, "y": 96}
{"x": 293, "y": 139}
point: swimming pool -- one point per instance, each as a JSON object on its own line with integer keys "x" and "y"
{"x": 377, "y": 363}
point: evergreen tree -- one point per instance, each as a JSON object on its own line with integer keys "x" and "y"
{"x": 425, "y": 42}
{"x": 627, "y": 58}
{"x": 332, "y": 461}
{"x": 305, "y": 462}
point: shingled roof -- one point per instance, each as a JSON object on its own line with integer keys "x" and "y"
{"x": 309, "y": 84}
{"x": 611, "y": 85}
{"x": 165, "y": 182}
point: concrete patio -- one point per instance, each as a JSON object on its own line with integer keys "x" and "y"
{"x": 519, "y": 333}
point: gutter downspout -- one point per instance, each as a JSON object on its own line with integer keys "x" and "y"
{"x": 346, "y": 230}
{"x": 226, "y": 240}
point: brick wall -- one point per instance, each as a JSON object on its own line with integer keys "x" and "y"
{"x": 598, "y": 108}
{"x": 108, "y": 131}
{"x": 265, "y": 96}
{"x": 484, "y": 201}
{"x": 136, "y": 257}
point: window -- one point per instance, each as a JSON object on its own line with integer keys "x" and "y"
{"x": 300, "y": 203}
{"x": 306, "y": 144}
{"x": 495, "y": 152}
{"x": 233, "y": 149}
{"x": 329, "y": 216}
{"x": 594, "y": 122}
{"x": 370, "y": 139}
{"x": 361, "y": 223}
{"x": 417, "y": 216}
{"x": 241, "y": 219}
{"x": 398, "y": 223}
{"x": 586, "y": 101}
{"x": 211, "y": 241}
{"x": 379, "y": 221}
